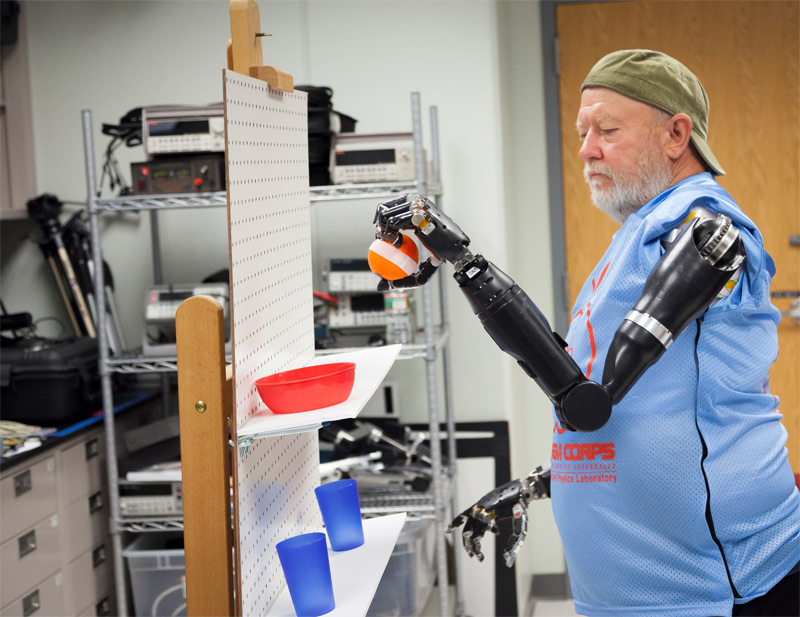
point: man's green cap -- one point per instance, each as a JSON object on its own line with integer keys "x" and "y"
{"x": 661, "y": 81}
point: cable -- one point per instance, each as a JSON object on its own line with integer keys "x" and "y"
{"x": 326, "y": 297}
{"x": 128, "y": 132}
{"x": 161, "y": 596}
{"x": 15, "y": 323}
{"x": 178, "y": 610}
{"x": 111, "y": 166}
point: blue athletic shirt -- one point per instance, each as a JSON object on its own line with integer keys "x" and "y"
{"x": 684, "y": 503}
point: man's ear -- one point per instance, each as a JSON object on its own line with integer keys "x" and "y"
{"x": 680, "y": 131}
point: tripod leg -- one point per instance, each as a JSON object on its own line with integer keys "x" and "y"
{"x": 113, "y": 324}
{"x": 83, "y": 309}
{"x": 64, "y": 295}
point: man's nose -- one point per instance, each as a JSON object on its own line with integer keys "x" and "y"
{"x": 590, "y": 149}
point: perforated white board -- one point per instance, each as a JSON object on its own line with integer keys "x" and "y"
{"x": 271, "y": 319}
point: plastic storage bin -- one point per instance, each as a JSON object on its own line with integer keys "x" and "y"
{"x": 408, "y": 578}
{"x": 157, "y": 565}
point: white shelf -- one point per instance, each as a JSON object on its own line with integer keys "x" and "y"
{"x": 355, "y": 573}
{"x": 372, "y": 364}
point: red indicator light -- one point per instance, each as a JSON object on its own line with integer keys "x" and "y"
{"x": 198, "y": 181}
{"x": 145, "y": 171}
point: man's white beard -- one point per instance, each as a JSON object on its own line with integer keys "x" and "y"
{"x": 630, "y": 189}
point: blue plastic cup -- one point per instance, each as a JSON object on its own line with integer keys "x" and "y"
{"x": 341, "y": 512}
{"x": 305, "y": 564}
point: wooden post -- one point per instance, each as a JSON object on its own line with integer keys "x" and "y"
{"x": 244, "y": 48}
{"x": 205, "y": 402}
{"x": 245, "y": 44}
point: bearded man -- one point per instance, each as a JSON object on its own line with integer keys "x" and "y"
{"x": 700, "y": 516}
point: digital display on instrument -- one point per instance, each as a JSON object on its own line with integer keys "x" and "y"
{"x": 162, "y": 128}
{"x": 168, "y": 296}
{"x": 365, "y": 157}
{"x": 349, "y": 265}
{"x": 150, "y": 488}
{"x": 366, "y": 302}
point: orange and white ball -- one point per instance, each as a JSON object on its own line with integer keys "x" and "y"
{"x": 393, "y": 262}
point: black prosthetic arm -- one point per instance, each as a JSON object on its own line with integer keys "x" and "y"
{"x": 520, "y": 329}
{"x": 684, "y": 282}
{"x": 680, "y": 287}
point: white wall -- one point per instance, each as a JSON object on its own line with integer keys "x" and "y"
{"x": 477, "y": 61}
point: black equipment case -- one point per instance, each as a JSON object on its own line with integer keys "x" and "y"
{"x": 320, "y": 132}
{"x": 49, "y": 382}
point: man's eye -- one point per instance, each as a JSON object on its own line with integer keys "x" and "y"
{"x": 608, "y": 131}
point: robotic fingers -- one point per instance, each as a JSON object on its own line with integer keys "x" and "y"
{"x": 440, "y": 235}
{"x": 435, "y": 230}
{"x": 505, "y": 503}
{"x": 426, "y": 270}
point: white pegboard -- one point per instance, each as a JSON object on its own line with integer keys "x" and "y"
{"x": 271, "y": 319}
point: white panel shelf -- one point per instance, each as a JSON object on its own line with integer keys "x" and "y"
{"x": 355, "y": 573}
{"x": 372, "y": 364}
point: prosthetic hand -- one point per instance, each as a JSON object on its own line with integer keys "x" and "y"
{"x": 440, "y": 235}
{"x": 507, "y": 502}
{"x": 695, "y": 267}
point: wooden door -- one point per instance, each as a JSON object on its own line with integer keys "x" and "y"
{"x": 747, "y": 55}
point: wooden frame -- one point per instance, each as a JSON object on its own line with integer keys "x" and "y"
{"x": 205, "y": 406}
{"x": 205, "y": 392}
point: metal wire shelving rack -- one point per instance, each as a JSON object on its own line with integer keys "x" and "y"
{"x": 431, "y": 345}
{"x": 376, "y": 502}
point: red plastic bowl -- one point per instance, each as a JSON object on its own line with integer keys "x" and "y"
{"x": 307, "y": 388}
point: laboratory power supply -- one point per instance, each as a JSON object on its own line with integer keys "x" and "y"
{"x": 348, "y": 275}
{"x": 150, "y": 498}
{"x": 183, "y": 129}
{"x": 364, "y": 158}
{"x": 359, "y": 304}
{"x": 161, "y": 304}
{"x": 191, "y": 173}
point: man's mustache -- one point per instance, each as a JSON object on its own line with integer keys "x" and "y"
{"x": 604, "y": 170}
